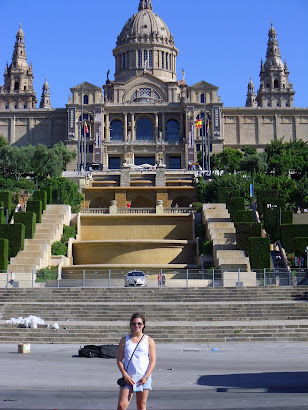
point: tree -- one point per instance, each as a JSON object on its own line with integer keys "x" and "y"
{"x": 66, "y": 156}
{"x": 3, "y": 141}
{"x": 230, "y": 159}
{"x": 45, "y": 162}
{"x": 64, "y": 191}
{"x": 254, "y": 163}
{"x": 247, "y": 150}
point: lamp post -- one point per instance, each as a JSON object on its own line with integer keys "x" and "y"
{"x": 307, "y": 254}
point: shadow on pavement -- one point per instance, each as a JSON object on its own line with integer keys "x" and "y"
{"x": 284, "y": 382}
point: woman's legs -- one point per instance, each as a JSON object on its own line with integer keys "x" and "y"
{"x": 141, "y": 399}
{"x": 125, "y": 396}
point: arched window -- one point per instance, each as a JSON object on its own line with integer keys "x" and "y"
{"x": 116, "y": 131}
{"x": 276, "y": 84}
{"x": 85, "y": 100}
{"x": 202, "y": 99}
{"x": 139, "y": 59}
{"x": 172, "y": 131}
{"x": 144, "y": 130}
{"x": 16, "y": 86}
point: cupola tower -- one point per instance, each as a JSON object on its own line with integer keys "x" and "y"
{"x": 45, "y": 99}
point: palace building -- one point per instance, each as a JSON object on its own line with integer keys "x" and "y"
{"x": 147, "y": 115}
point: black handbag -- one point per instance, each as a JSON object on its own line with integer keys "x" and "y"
{"x": 121, "y": 382}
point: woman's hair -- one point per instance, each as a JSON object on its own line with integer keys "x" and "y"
{"x": 137, "y": 316}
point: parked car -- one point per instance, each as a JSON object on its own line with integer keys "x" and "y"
{"x": 135, "y": 278}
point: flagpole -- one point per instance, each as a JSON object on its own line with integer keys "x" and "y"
{"x": 204, "y": 132}
{"x": 82, "y": 130}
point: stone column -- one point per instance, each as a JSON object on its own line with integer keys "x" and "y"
{"x": 125, "y": 127}
{"x": 163, "y": 125}
{"x": 107, "y": 128}
{"x": 133, "y": 126}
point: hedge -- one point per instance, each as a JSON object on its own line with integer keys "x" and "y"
{"x": 4, "y": 254}
{"x": 275, "y": 202}
{"x": 29, "y": 220}
{"x": 223, "y": 194}
{"x": 265, "y": 193}
{"x": 36, "y": 207}
{"x": 48, "y": 191}
{"x": 244, "y": 216}
{"x": 272, "y": 222}
{"x": 40, "y": 196}
{"x": 235, "y": 204}
{"x": 244, "y": 231}
{"x": 300, "y": 245}
{"x": 289, "y": 232}
{"x": 259, "y": 253}
{"x": 2, "y": 216}
{"x": 15, "y": 233}
{"x": 6, "y": 198}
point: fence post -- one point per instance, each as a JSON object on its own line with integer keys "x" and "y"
{"x": 58, "y": 277}
{"x": 109, "y": 278}
{"x": 264, "y": 280}
{"x": 238, "y": 277}
{"x": 187, "y": 277}
{"x": 32, "y": 279}
{"x": 213, "y": 278}
{"x": 7, "y": 278}
{"x": 84, "y": 278}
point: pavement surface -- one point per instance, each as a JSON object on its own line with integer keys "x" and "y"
{"x": 187, "y": 376}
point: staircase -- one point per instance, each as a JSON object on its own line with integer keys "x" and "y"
{"x": 37, "y": 251}
{"x": 220, "y": 229}
{"x": 211, "y": 315}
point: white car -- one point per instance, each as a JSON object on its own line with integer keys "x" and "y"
{"x": 135, "y": 278}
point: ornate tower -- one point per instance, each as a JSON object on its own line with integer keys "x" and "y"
{"x": 251, "y": 95}
{"x": 45, "y": 98}
{"x": 275, "y": 88}
{"x": 17, "y": 91}
{"x": 145, "y": 44}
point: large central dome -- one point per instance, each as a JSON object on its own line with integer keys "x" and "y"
{"x": 145, "y": 43}
{"x": 145, "y": 26}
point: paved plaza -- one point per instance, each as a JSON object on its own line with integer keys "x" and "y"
{"x": 187, "y": 376}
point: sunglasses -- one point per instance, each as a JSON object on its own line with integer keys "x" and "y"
{"x": 137, "y": 324}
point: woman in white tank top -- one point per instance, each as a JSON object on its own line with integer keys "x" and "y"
{"x": 139, "y": 355}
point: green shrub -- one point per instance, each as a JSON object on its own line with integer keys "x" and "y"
{"x": 206, "y": 247}
{"x": 300, "y": 245}
{"x": 235, "y": 204}
{"x": 265, "y": 193}
{"x": 58, "y": 248}
{"x": 4, "y": 254}
{"x": 275, "y": 203}
{"x": 244, "y": 231}
{"x": 29, "y": 220}
{"x": 244, "y": 216}
{"x": 259, "y": 253}
{"x": 15, "y": 233}
{"x": 2, "y": 216}
{"x": 197, "y": 206}
{"x": 289, "y": 232}
{"x": 45, "y": 274}
{"x": 6, "y": 198}
{"x": 48, "y": 191}
{"x": 223, "y": 194}
{"x": 200, "y": 231}
{"x": 36, "y": 207}
{"x": 68, "y": 232}
{"x": 40, "y": 196}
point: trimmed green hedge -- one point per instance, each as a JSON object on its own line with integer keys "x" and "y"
{"x": 259, "y": 252}
{"x": 275, "y": 202}
{"x": 4, "y": 254}
{"x": 40, "y": 196}
{"x": 6, "y": 198}
{"x": 244, "y": 231}
{"x": 29, "y": 220}
{"x": 300, "y": 246}
{"x": 2, "y": 216}
{"x": 235, "y": 204}
{"x": 36, "y": 207}
{"x": 48, "y": 190}
{"x": 15, "y": 233}
{"x": 244, "y": 216}
{"x": 289, "y": 232}
{"x": 272, "y": 222}
{"x": 223, "y": 194}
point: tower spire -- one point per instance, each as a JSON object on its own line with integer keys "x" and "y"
{"x": 145, "y": 4}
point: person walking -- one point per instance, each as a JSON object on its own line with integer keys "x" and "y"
{"x": 138, "y": 353}
{"x": 12, "y": 279}
{"x": 163, "y": 278}
{"x": 159, "y": 280}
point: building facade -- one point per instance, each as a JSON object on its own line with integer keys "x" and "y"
{"x": 146, "y": 114}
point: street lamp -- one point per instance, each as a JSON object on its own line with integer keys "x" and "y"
{"x": 307, "y": 254}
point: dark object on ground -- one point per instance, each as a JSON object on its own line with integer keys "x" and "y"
{"x": 104, "y": 351}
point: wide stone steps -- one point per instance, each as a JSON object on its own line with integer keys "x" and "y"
{"x": 162, "y": 334}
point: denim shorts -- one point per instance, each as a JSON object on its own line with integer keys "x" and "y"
{"x": 146, "y": 386}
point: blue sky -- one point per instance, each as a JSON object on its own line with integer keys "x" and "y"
{"x": 221, "y": 42}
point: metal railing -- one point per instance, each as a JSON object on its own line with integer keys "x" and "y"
{"x": 174, "y": 278}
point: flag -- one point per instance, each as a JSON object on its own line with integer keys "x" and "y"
{"x": 86, "y": 129}
{"x": 198, "y": 124}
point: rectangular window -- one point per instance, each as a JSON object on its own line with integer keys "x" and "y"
{"x": 114, "y": 163}
{"x": 162, "y": 59}
{"x": 91, "y": 149}
{"x": 151, "y": 59}
{"x": 167, "y": 59}
{"x": 124, "y": 61}
{"x": 145, "y": 56}
{"x": 174, "y": 162}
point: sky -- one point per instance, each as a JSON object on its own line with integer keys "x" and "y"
{"x": 221, "y": 42}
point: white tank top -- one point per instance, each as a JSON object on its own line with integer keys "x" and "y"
{"x": 140, "y": 361}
